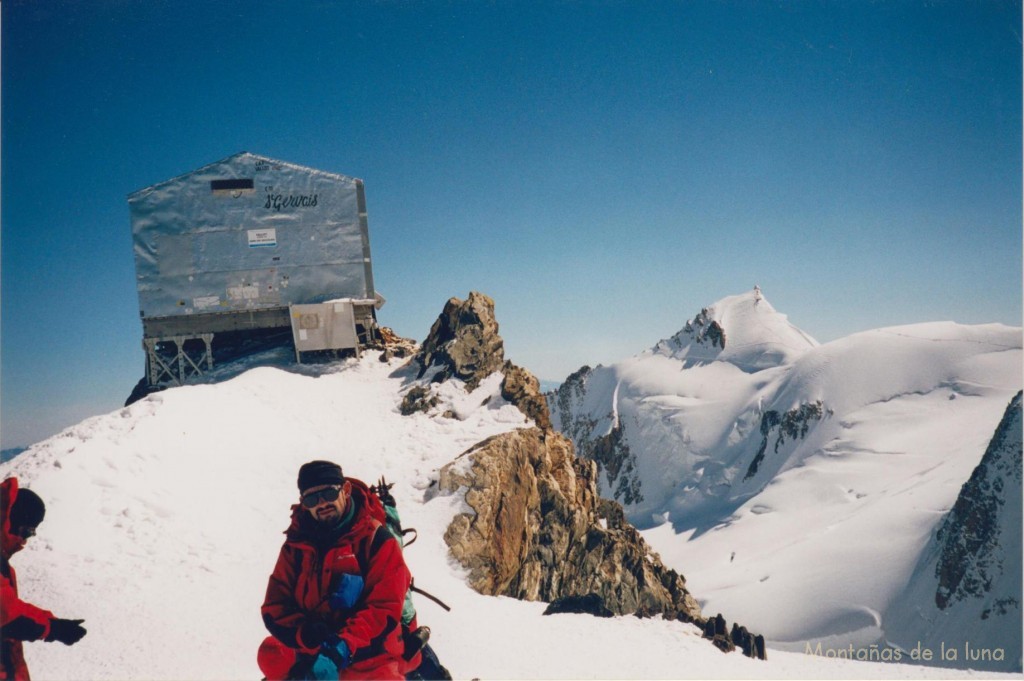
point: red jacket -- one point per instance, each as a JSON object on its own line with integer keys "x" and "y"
{"x": 19, "y": 621}
{"x": 307, "y": 569}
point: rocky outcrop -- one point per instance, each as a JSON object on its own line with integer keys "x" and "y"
{"x": 704, "y": 330}
{"x": 392, "y": 345}
{"x": 537, "y": 530}
{"x": 727, "y": 640}
{"x": 522, "y": 389}
{"x": 418, "y": 398}
{"x": 751, "y": 644}
{"x": 591, "y": 604}
{"x": 463, "y": 343}
{"x": 793, "y": 424}
{"x": 976, "y": 535}
{"x": 966, "y": 587}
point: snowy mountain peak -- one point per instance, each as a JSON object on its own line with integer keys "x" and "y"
{"x": 744, "y": 330}
{"x": 816, "y": 477}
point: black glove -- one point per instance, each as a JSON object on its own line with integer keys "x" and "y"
{"x": 68, "y": 632}
{"x": 312, "y": 633}
{"x": 383, "y": 490}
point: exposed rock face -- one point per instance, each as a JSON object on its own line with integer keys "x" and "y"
{"x": 464, "y": 342}
{"x": 716, "y": 631}
{"x": 591, "y": 604}
{"x": 792, "y": 424}
{"x": 392, "y": 345}
{"x": 727, "y": 640}
{"x": 563, "y": 403}
{"x": 705, "y": 331}
{"x": 967, "y": 584}
{"x": 974, "y": 536}
{"x": 522, "y": 389}
{"x": 610, "y": 451}
{"x": 539, "y": 531}
{"x": 419, "y": 398}
{"x": 751, "y": 644}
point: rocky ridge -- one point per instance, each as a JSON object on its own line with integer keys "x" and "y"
{"x": 539, "y": 531}
{"x": 537, "y": 528}
{"x": 965, "y": 591}
{"x": 610, "y": 450}
{"x": 974, "y": 550}
{"x": 703, "y": 330}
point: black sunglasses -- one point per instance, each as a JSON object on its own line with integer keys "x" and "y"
{"x": 312, "y": 500}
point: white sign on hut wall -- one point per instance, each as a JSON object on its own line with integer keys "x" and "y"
{"x": 259, "y": 238}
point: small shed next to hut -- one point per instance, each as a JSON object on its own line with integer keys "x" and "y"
{"x": 245, "y": 248}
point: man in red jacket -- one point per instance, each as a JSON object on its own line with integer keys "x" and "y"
{"x": 21, "y": 511}
{"x": 334, "y": 601}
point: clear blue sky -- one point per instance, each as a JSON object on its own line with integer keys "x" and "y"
{"x": 601, "y": 168}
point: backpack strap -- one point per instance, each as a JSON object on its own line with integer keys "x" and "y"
{"x": 370, "y": 548}
{"x": 380, "y": 537}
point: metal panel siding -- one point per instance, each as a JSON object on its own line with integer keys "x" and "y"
{"x": 299, "y": 236}
{"x": 364, "y": 230}
{"x": 325, "y": 326}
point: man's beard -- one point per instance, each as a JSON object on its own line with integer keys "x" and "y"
{"x": 328, "y": 517}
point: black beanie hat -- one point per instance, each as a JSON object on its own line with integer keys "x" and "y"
{"x": 27, "y": 510}
{"x": 316, "y": 473}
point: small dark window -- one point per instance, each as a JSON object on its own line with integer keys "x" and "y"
{"x": 231, "y": 185}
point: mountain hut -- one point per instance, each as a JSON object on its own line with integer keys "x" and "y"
{"x": 247, "y": 250}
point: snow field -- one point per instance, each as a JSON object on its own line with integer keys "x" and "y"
{"x": 165, "y": 518}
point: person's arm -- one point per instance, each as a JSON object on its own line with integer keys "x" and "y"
{"x": 281, "y": 613}
{"x": 386, "y": 582}
{"x": 19, "y": 619}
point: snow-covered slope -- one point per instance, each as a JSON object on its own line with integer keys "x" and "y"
{"x": 164, "y": 520}
{"x": 800, "y": 491}
{"x": 670, "y": 425}
{"x": 965, "y": 593}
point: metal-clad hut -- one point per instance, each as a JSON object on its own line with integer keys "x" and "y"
{"x": 250, "y": 246}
